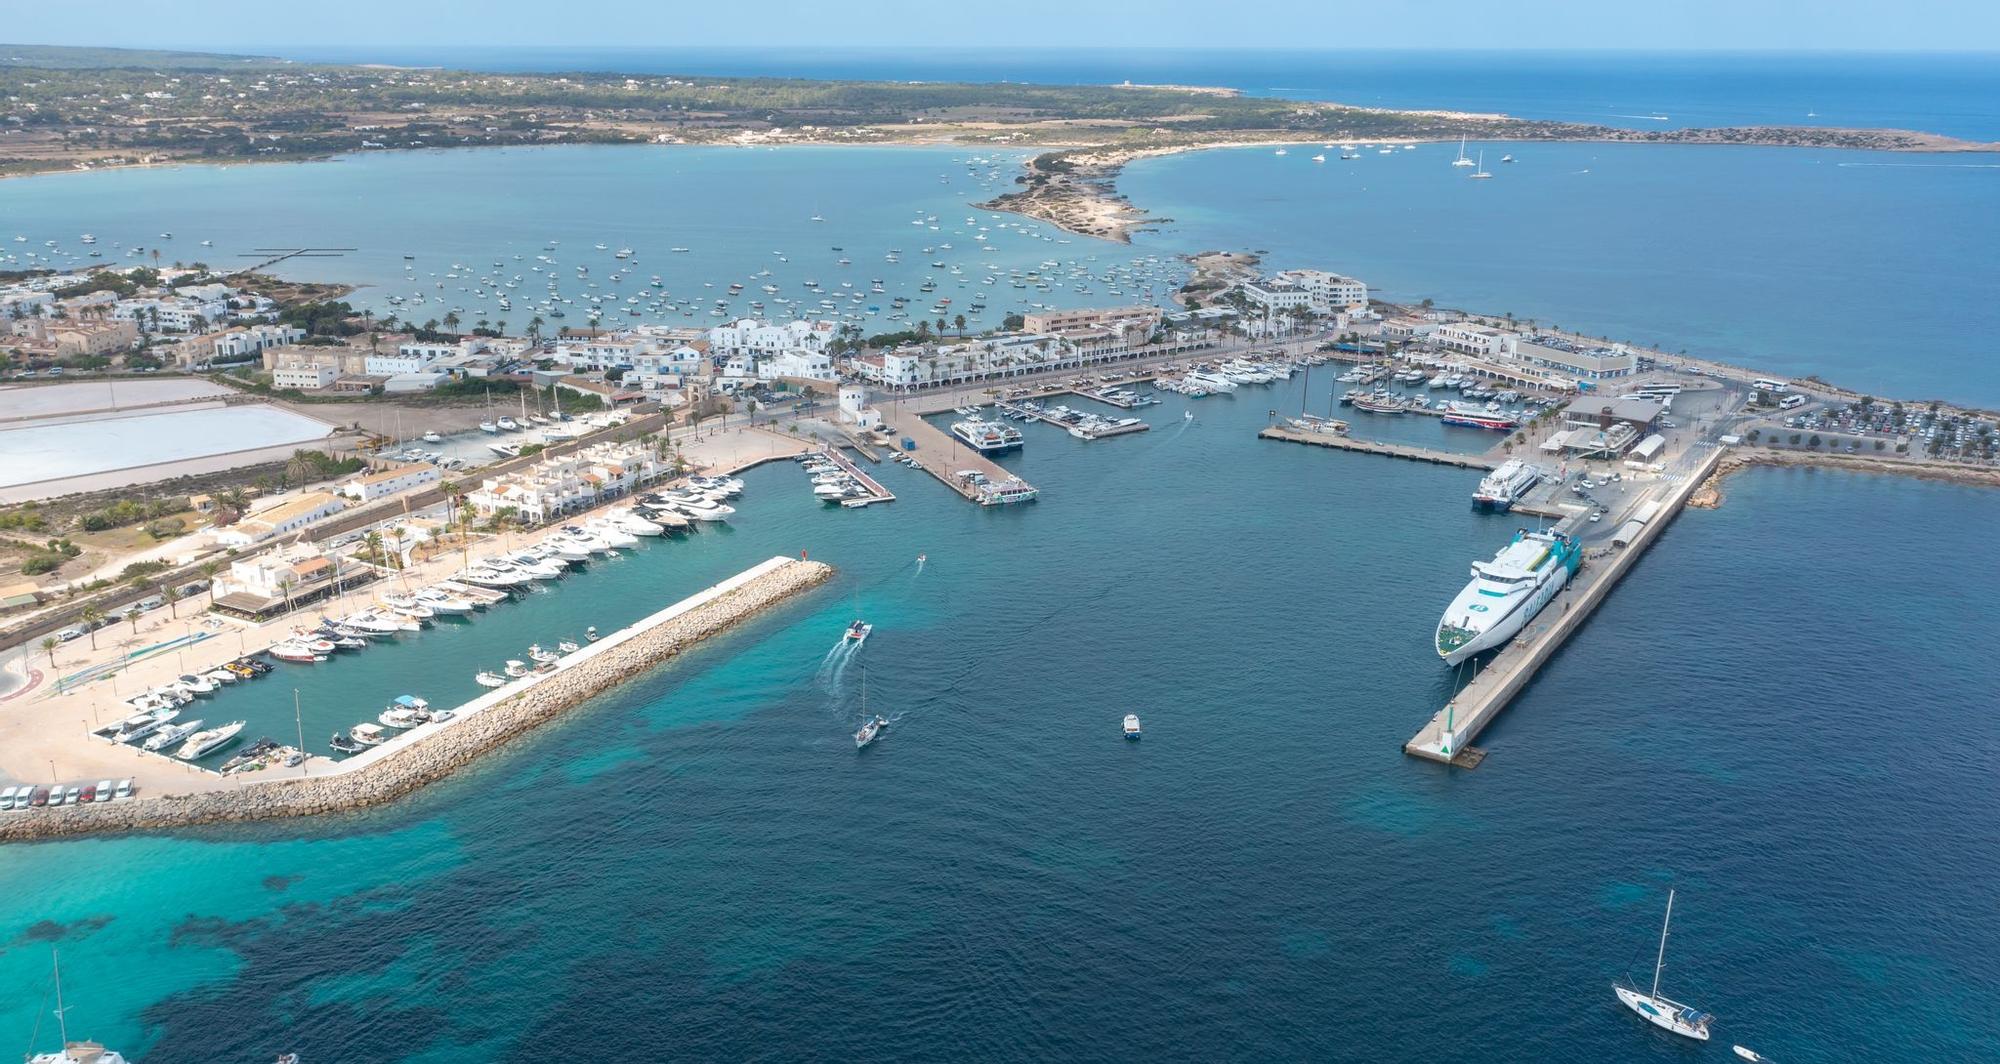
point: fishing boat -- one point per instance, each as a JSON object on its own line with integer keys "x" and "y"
{"x": 541, "y": 656}
{"x": 1661, "y": 1011}
{"x": 1131, "y": 725}
{"x": 489, "y": 678}
{"x": 407, "y": 711}
{"x": 203, "y": 743}
{"x": 516, "y": 668}
{"x": 369, "y": 734}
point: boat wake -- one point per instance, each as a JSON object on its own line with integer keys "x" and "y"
{"x": 833, "y": 667}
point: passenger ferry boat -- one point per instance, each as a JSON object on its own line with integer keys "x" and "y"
{"x": 1499, "y": 491}
{"x": 986, "y": 436}
{"x": 1477, "y": 418}
{"x": 1506, "y": 593}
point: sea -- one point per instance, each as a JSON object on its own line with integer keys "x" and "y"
{"x": 1780, "y": 715}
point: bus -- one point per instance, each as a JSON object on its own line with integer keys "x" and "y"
{"x": 1766, "y": 384}
{"x": 1792, "y": 400}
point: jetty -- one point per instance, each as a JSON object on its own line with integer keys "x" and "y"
{"x": 876, "y": 492}
{"x": 1032, "y": 413}
{"x": 1392, "y": 450}
{"x": 1447, "y": 736}
{"x": 435, "y": 750}
{"x": 949, "y": 459}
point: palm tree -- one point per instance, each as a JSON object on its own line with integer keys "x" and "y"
{"x": 450, "y": 489}
{"x": 373, "y": 541}
{"x": 958, "y": 323}
{"x": 285, "y": 585}
{"x": 451, "y": 319}
{"x": 172, "y": 597}
{"x": 91, "y": 616}
{"x": 49, "y": 644}
{"x": 535, "y": 328}
{"x": 397, "y": 532}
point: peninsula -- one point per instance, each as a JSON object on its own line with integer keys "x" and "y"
{"x": 88, "y": 108}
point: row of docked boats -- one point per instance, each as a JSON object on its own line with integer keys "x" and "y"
{"x": 830, "y": 482}
{"x": 544, "y": 660}
{"x": 403, "y": 714}
{"x": 1223, "y": 377}
{"x": 161, "y": 722}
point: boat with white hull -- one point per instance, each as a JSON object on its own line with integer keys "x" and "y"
{"x": 1665, "y": 1012}
{"x": 986, "y": 436}
{"x": 1504, "y": 486}
{"x": 1506, "y": 593}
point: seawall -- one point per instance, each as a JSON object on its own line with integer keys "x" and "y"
{"x": 401, "y": 766}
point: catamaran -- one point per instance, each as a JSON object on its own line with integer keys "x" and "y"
{"x": 1661, "y": 1011}
{"x": 1506, "y": 593}
{"x": 1462, "y": 160}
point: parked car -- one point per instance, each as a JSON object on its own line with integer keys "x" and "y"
{"x": 104, "y": 788}
{"x": 74, "y": 631}
{"x": 41, "y": 797}
{"x": 89, "y": 793}
{"x": 7, "y": 797}
{"x": 73, "y": 796}
{"x": 125, "y": 789}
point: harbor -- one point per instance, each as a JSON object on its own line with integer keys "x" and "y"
{"x": 434, "y": 750}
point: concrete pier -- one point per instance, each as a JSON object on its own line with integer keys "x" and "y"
{"x": 876, "y": 492}
{"x": 1447, "y": 736}
{"x": 945, "y": 456}
{"x": 1392, "y": 450}
{"x": 1012, "y": 407}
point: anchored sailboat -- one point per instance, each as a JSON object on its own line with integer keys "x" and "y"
{"x": 1661, "y": 1011}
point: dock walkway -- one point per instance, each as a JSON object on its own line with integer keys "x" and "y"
{"x": 876, "y": 492}
{"x": 1392, "y": 450}
{"x": 945, "y": 456}
{"x": 1446, "y": 737}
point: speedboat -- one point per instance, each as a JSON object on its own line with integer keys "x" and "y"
{"x": 432, "y": 437}
{"x": 203, "y": 743}
{"x": 489, "y": 427}
{"x": 857, "y": 633}
{"x": 610, "y": 533}
{"x": 444, "y": 602}
{"x": 871, "y": 729}
{"x": 341, "y": 743}
{"x": 133, "y": 729}
{"x": 1131, "y": 725}
{"x": 195, "y": 684}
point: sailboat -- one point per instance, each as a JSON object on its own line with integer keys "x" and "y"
{"x": 1481, "y": 164}
{"x": 72, "y": 1052}
{"x": 871, "y": 727}
{"x": 1661, "y": 1011}
{"x": 1461, "y": 160}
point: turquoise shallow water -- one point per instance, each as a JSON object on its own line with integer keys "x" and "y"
{"x": 1776, "y": 714}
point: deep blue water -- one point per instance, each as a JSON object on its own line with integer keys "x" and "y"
{"x": 700, "y": 866}
{"x": 1954, "y": 94}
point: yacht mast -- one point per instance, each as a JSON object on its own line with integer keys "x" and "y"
{"x": 1662, "y": 961}
{"x": 62, "y": 1022}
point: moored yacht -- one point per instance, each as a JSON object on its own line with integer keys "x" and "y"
{"x": 203, "y": 743}
{"x": 1506, "y": 593}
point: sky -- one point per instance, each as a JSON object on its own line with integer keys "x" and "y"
{"x": 260, "y": 25}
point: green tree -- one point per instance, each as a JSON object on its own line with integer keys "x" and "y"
{"x": 172, "y": 597}
{"x": 49, "y": 645}
{"x": 92, "y": 617}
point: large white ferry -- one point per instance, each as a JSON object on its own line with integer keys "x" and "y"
{"x": 1499, "y": 491}
{"x": 982, "y": 435}
{"x": 1506, "y": 593}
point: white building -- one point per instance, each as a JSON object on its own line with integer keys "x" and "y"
{"x": 303, "y": 378}
{"x": 563, "y": 484}
{"x": 810, "y": 365}
{"x": 281, "y": 519}
{"x": 1471, "y": 338}
{"x": 410, "y": 357}
{"x": 757, "y": 338}
{"x": 238, "y": 344}
{"x": 1328, "y": 293}
{"x": 393, "y": 480}
{"x": 1276, "y": 297}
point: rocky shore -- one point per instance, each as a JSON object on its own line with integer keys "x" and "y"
{"x": 405, "y": 767}
{"x": 1710, "y": 496}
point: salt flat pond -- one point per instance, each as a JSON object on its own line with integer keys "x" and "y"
{"x": 50, "y": 451}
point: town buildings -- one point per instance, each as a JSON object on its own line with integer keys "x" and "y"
{"x": 279, "y": 519}
{"x": 561, "y": 484}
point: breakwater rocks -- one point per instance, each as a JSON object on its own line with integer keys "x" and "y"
{"x": 1710, "y": 495}
{"x": 401, "y": 767}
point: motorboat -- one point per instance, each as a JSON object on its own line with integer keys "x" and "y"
{"x": 540, "y": 656}
{"x": 203, "y": 743}
{"x": 445, "y": 603}
{"x": 1131, "y": 725}
{"x": 490, "y": 678}
{"x": 369, "y": 734}
{"x": 132, "y": 729}
{"x": 516, "y": 668}
{"x": 400, "y": 717}
{"x": 169, "y": 734}
{"x": 631, "y": 523}
{"x": 568, "y": 646}
{"x": 857, "y": 633}
{"x": 195, "y": 684}
{"x": 295, "y": 652}
{"x": 610, "y": 533}
{"x": 341, "y": 743}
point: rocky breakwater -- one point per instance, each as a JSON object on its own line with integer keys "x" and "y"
{"x": 438, "y": 750}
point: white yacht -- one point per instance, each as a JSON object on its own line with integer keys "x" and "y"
{"x": 1214, "y": 382}
{"x": 1663, "y": 1011}
{"x": 1132, "y": 726}
{"x": 1499, "y": 490}
{"x": 171, "y": 734}
{"x": 1506, "y": 593}
{"x": 203, "y": 743}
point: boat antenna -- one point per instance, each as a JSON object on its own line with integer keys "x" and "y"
{"x": 1661, "y": 962}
